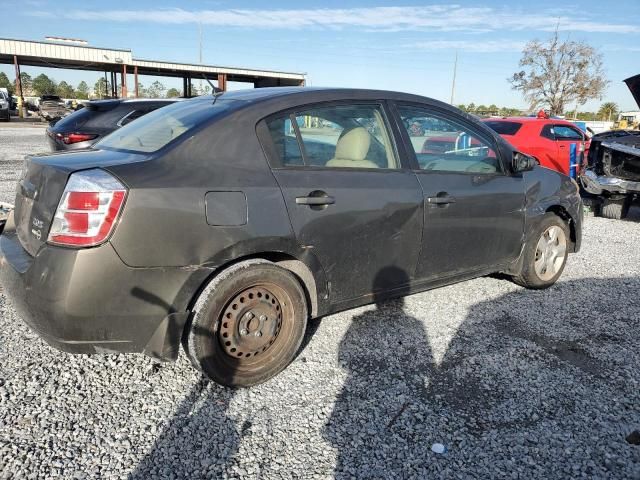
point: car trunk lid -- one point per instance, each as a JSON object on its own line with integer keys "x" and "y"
{"x": 41, "y": 186}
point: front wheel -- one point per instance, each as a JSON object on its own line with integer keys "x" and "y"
{"x": 545, "y": 254}
{"x": 248, "y": 324}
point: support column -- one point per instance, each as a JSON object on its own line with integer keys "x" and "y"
{"x": 222, "y": 81}
{"x": 184, "y": 87}
{"x": 123, "y": 81}
{"x": 21, "y": 108}
{"x": 114, "y": 85}
{"x": 135, "y": 79}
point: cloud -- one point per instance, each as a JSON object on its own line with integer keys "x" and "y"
{"x": 420, "y": 18}
{"x": 476, "y": 46}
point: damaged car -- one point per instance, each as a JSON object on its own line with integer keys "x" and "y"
{"x": 613, "y": 171}
{"x": 52, "y": 108}
{"x": 225, "y": 222}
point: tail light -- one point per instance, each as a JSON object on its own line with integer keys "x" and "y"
{"x": 88, "y": 210}
{"x": 69, "y": 138}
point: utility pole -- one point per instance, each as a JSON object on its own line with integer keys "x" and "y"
{"x": 453, "y": 83}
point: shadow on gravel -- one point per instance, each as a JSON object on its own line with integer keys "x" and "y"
{"x": 199, "y": 441}
{"x": 536, "y": 384}
{"x": 539, "y": 382}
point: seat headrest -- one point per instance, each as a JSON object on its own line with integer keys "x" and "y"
{"x": 353, "y": 145}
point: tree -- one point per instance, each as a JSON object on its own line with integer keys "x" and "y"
{"x": 142, "y": 91}
{"x": 493, "y": 109}
{"x": 558, "y": 73}
{"x": 156, "y": 90}
{"x": 65, "y": 90}
{"x": 82, "y": 91}
{"x": 26, "y": 83}
{"x": 173, "y": 93}
{"x": 462, "y": 107}
{"x": 6, "y": 83}
{"x": 608, "y": 110}
{"x": 43, "y": 85}
{"x": 471, "y": 107}
{"x": 102, "y": 88}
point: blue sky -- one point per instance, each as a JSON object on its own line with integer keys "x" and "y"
{"x": 409, "y": 46}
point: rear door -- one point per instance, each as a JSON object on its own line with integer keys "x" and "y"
{"x": 350, "y": 201}
{"x": 474, "y": 210}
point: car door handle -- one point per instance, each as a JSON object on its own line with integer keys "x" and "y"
{"x": 315, "y": 200}
{"x": 443, "y": 200}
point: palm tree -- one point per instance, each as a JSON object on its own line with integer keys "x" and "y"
{"x": 608, "y": 110}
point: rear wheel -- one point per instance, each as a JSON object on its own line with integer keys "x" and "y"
{"x": 545, "y": 254}
{"x": 248, "y": 326}
{"x": 615, "y": 209}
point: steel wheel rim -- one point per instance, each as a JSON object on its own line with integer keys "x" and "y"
{"x": 550, "y": 253}
{"x": 252, "y": 352}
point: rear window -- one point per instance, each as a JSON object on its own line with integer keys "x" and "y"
{"x": 504, "y": 128}
{"x": 156, "y": 129}
{"x": 75, "y": 120}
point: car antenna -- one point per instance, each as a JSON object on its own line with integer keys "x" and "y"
{"x": 215, "y": 91}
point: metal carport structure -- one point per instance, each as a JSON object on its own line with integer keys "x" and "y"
{"x": 121, "y": 62}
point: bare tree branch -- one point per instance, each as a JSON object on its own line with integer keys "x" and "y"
{"x": 558, "y": 73}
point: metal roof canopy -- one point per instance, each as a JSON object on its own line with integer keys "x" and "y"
{"x": 80, "y": 57}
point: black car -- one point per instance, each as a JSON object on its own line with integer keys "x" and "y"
{"x": 612, "y": 176}
{"x": 226, "y": 222}
{"x": 97, "y": 119}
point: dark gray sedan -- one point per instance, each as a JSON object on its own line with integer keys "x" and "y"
{"x": 226, "y": 222}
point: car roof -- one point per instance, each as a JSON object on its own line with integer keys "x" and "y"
{"x": 528, "y": 120}
{"x": 286, "y": 97}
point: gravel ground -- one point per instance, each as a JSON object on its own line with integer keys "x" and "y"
{"x": 515, "y": 384}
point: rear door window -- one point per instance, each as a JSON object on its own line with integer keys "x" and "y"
{"x": 336, "y": 136}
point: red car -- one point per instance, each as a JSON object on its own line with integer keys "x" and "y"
{"x": 557, "y": 144}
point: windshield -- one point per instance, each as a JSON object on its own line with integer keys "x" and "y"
{"x": 156, "y": 129}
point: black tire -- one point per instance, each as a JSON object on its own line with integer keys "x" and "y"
{"x": 528, "y": 276}
{"x": 615, "y": 209}
{"x": 247, "y": 324}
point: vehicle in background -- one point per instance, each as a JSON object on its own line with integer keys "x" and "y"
{"x": 556, "y": 144}
{"x": 12, "y": 100}
{"x": 51, "y": 108}
{"x": 627, "y": 121}
{"x": 5, "y": 106}
{"x": 613, "y": 169}
{"x": 212, "y": 223}
{"x": 97, "y": 119}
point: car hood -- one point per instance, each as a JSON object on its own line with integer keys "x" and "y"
{"x": 634, "y": 86}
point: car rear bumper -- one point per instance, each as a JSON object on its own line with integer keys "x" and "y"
{"x": 597, "y": 184}
{"x": 89, "y": 301}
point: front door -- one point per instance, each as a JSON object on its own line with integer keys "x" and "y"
{"x": 570, "y": 141}
{"x": 474, "y": 210}
{"x": 350, "y": 202}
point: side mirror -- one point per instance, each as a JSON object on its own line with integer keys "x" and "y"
{"x": 522, "y": 162}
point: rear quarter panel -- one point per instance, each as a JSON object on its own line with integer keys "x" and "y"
{"x": 164, "y": 221}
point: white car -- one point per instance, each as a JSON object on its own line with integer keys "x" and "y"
{"x": 5, "y": 104}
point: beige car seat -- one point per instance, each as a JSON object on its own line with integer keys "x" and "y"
{"x": 351, "y": 150}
